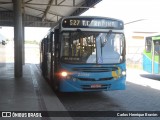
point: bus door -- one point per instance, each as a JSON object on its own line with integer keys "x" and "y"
{"x": 44, "y": 57}
{"x": 56, "y": 50}
{"x": 52, "y": 55}
{"x": 55, "y": 57}
{"x": 49, "y": 55}
{"x": 156, "y": 57}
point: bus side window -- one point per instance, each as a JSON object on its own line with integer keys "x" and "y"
{"x": 53, "y": 43}
{"x": 49, "y": 42}
{"x": 148, "y": 44}
{"x": 157, "y": 47}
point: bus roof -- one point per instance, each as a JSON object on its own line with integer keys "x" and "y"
{"x": 156, "y": 37}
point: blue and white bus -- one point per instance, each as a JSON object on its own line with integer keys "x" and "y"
{"x": 85, "y": 53}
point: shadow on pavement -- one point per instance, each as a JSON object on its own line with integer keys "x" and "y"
{"x": 151, "y": 76}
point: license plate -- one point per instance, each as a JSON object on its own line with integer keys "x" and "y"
{"x": 96, "y": 86}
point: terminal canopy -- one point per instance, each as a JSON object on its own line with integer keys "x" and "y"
{"x": 43, "y": 13}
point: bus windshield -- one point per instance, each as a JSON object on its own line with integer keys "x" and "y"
{"x": 92, "y": 47}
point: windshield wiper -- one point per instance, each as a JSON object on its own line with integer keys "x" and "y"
{"x": 106, "y": 38}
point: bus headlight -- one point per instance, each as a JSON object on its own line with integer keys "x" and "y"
{"x": 123, "y": 73}
{"x": 64, "y": 74}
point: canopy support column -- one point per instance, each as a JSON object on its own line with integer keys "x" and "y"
{"x": 18, "y": 38}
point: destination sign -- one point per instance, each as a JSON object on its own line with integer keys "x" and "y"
{"x": 92, "y": 23}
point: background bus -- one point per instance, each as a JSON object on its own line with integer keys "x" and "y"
{"x": 2, "y": 40}
{"x": 85, "y": 54}
{"x": 151, "y": 54}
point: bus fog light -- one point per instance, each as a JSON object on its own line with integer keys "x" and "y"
{"x": 124, "y": 73}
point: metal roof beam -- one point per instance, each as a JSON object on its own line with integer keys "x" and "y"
{"x": 5, "y": 2}
{"x": 134, "y": 21}
{"x": 84, "y": 7}
{"x": 28, "y": 1}
{"x": 29, "y": 21}
{"x": 60, "y": 5}
{"x": 74, "y": 3}
{"x": 47, "y": 9}
{"x": 61, "y": 2}
{"x": 5, "y": 9}
{"x": 56, "y": 3}
{"x": 42, "y": 10}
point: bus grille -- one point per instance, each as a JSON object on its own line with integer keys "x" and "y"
{"x": 95, "y": 69}
{"x": 92, "y": 79}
